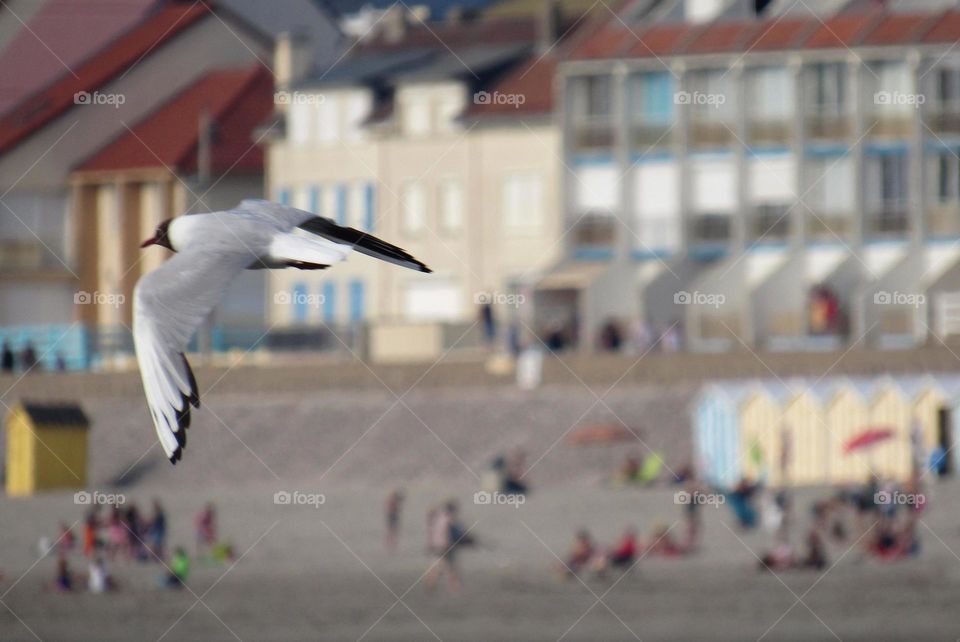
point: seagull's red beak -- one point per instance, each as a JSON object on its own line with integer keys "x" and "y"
{"x": 150, "y": 241}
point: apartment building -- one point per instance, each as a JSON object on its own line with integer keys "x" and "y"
{"x": 439, "y": 138}
{"x": 732, "y": 158}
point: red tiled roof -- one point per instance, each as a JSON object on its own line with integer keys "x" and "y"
{"x": 61, "y": 34}
{"x": 608, "y": 42}
{"x": 900, "y": 28}
{"x": 722, "y": 37}
{"x": 946, "y": 28}
{"x": 785, "y": 33}
{"x": 532, "y": 79}
{"x": 238, "y": 101}
{"x": 40, "y": 108}
{"x": 842, "y": 30}
{"x": 872, "y": 28}
{"x": 664, "y": 40}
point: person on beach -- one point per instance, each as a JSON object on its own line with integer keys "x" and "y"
{"x": 99, "y": 579}
{"x": 157, "y": 531}
{"x": 622, "y": 555}
{"x": 206, "y": 524}
{"x": 392, "y": 510}
{"x": 446, "y": 535}
{"x": 7, "y": 359}
{"x": 91, "y": 524}
{"x": 63, "y": 581}
{"x": 581, "y": 555}
{"x": 178, "y": 570}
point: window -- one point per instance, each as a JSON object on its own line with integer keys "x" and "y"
{"x": 416, "y": 114}
{"x": 451, "y": 205}
{"x": 329, "y": 302}
{"x": 357, "y": 109}
{"x": 770, "y": 92}
{"x": 657, "y": 205}
{"x": 828, "y": 83}
{"x": 414, "y": 207}
{"x": 447, "y": 111}
{"x": 300, "y": 115}
{"x": 341, "y": 205}
{"x": 328, "y": 121}
{"x": 651, "y": 98}
{"x": 301, "y": 198}
{"x": 591, "y": 96}
{"x": 283, "y": 196}
{"x": 315, "y": 200}
{"x": 945, "y": 175}
{"x": 947, "y": 88}
{"x": 357, "y": 301}
{"x": 522, "y": 203}
{"x": 369, "y": 207}
{"x": 830, "y": 188}
{"x": 355, "y": 213}
{"x": 300, "y": 309}
{"x": 887, "y": 179}
{"x": 711, "y": 96}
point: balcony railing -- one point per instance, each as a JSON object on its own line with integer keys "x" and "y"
{"x": 593, "y": 134}
{"x": 594, "y": 230}
{"x": 770, "y": 132}
{"x": 25, "y": 256}
{"x": 770, "y": 222}
{"x": 888, "y": 220}
{"x": 828, "y": 125}
{"x": 711, "y": 228}
{"x": 829, "y": 226}
{"x": 643, "y": 136}
{"x": 944, "y": 220}
{"x": 710, "y": 133}
{"x": 890, "y": 125}
{"x": 943, "y": 119}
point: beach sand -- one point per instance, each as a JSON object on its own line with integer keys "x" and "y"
{"x": 320, "y": 573}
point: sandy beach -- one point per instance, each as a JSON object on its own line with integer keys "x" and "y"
{"x": 321, "y": 573}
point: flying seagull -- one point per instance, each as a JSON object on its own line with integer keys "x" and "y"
{"x": 211, "y": 249}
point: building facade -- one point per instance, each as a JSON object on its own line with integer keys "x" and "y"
{"x": 783, "y": 180}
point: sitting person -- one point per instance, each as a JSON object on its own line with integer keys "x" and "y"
{"x": 581, "y": 554}
{"x": 662, "y": 544}
{"x": 623, "y": 553}
{"x": 179, "y": 569}
{"x": 99, "y": 579}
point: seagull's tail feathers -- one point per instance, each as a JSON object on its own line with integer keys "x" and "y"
{"x": 363, "y": 242}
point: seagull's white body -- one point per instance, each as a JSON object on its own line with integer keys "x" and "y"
{"x": 212, "y": 249}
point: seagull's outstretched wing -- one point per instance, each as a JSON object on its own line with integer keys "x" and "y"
{"x": 168, "y": 306}
{"x": 290, "y": 218}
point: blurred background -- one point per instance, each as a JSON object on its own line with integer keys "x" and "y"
{"x": 696, "y": 278}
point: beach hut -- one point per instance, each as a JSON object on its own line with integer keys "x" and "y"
{"x": 805, "y": 432}
{"x": 891, "y": 408}
{"x": 716, "y": 432}
{"x": 761, "y": 428}
{"x": 46, "y": 447}
{"x": 847, "y": 412}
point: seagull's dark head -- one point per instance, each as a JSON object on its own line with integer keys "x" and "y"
{"x": 161, "y": 237}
